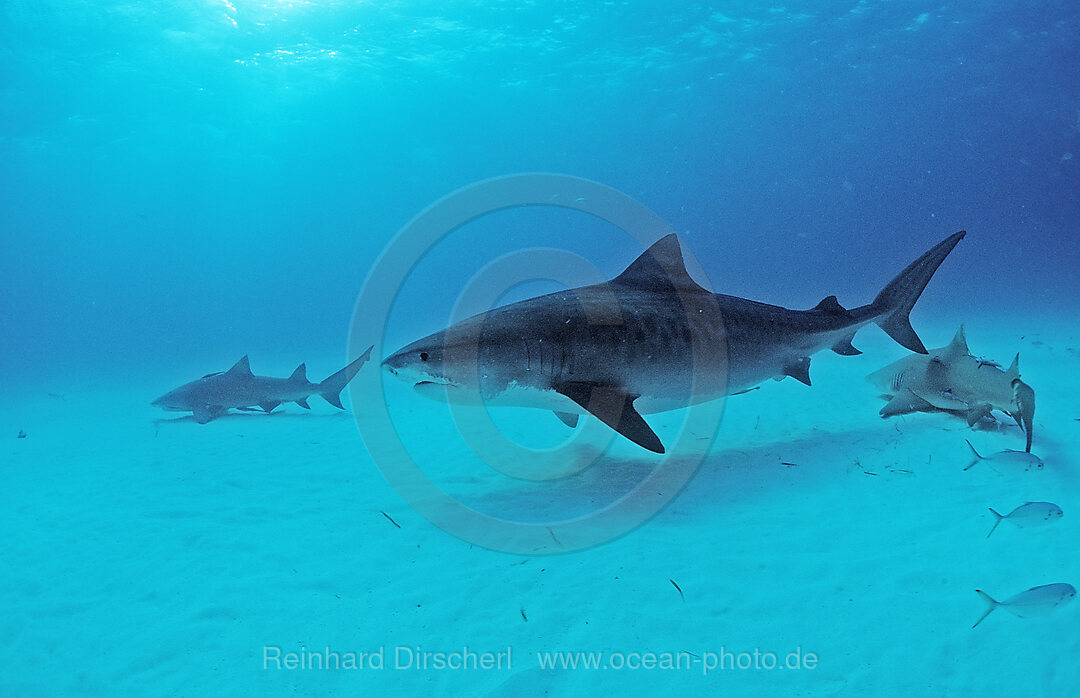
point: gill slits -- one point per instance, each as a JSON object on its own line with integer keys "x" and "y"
{"x": 547, "y": 358}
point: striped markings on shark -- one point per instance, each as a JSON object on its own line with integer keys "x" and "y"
{"x": 650, "y": 340}
{"x": 1036, "y": 601}
{"x": 215, "y": 394}
{"x": 951, "y": 378}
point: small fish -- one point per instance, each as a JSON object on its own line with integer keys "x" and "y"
{"x": 1008, "y": 458}
{"x": 1036, "y": 601}
{"x": 1029, "y": 514}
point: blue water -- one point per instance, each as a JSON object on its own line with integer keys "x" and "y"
{"x": 182, "y": 183}
{"x": 174, "y": 172}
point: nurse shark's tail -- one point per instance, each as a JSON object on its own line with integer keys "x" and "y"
{"x": 331, "y": 388}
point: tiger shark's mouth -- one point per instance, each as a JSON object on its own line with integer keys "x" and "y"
{"x": 438, "y": 388}
{"x": 416, "y": 376}
{"x": 437, "y": 381}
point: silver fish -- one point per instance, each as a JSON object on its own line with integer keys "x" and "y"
{"x": 1036, "y": 601}
{"x": 1007, "y": 458}
{"x": 1029, "y": 514}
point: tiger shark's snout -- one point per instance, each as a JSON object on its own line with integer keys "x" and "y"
{"x": 419, "y": 364}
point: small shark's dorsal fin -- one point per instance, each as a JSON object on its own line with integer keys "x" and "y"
{"x": 1013, "y": 371}
{"x": 659, "y": 266}
{"x": 240, "y": 368}
{"x": 958, "y": 346}
{"x": 830, "y": 306}
{"x": 300, "y": 374}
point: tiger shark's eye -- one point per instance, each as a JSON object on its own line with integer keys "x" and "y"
{"x": 423, "y": 356}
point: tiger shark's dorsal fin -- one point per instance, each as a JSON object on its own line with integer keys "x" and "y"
{"x": 300, "y": 374}
{"x": 240, "y": 368}
{"x": 958, "y": 346}
{"x": 1013, "y": 371}
{"x": 659, "y": 266}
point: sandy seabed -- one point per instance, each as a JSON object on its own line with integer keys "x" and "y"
{"x": 151, "y": 556}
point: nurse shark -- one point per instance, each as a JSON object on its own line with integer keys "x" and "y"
{"x": 215, "y": 393}
{"x": 950, "y": 378}
{"x": 649, "y": 340}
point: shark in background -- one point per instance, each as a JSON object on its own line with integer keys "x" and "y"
{"x": 215, "y": 393}
{"x": 950, "y": 378}
{"x": 650, "y": 340}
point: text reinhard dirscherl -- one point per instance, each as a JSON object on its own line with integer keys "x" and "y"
{"x": 404, "y": 657}
{"x": 401, "y": 657}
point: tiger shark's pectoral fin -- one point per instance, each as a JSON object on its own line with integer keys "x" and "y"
{"x": 568, "y": 418}
{"x": 977, "y": 412}
{"x": 903, "y": 402}
{"x": 613, "y": 406}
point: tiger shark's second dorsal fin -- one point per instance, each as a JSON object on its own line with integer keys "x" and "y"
{"x": 830, "y": 306}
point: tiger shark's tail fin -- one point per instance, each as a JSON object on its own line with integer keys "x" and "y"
{"x": 331, "y": 388}
{"x": 896, "y": 300}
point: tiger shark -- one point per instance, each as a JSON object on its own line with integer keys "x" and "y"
{"x": 650, "y": 340}
{"x": 950, "y": 378}
{"x": 215, "y": 393}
